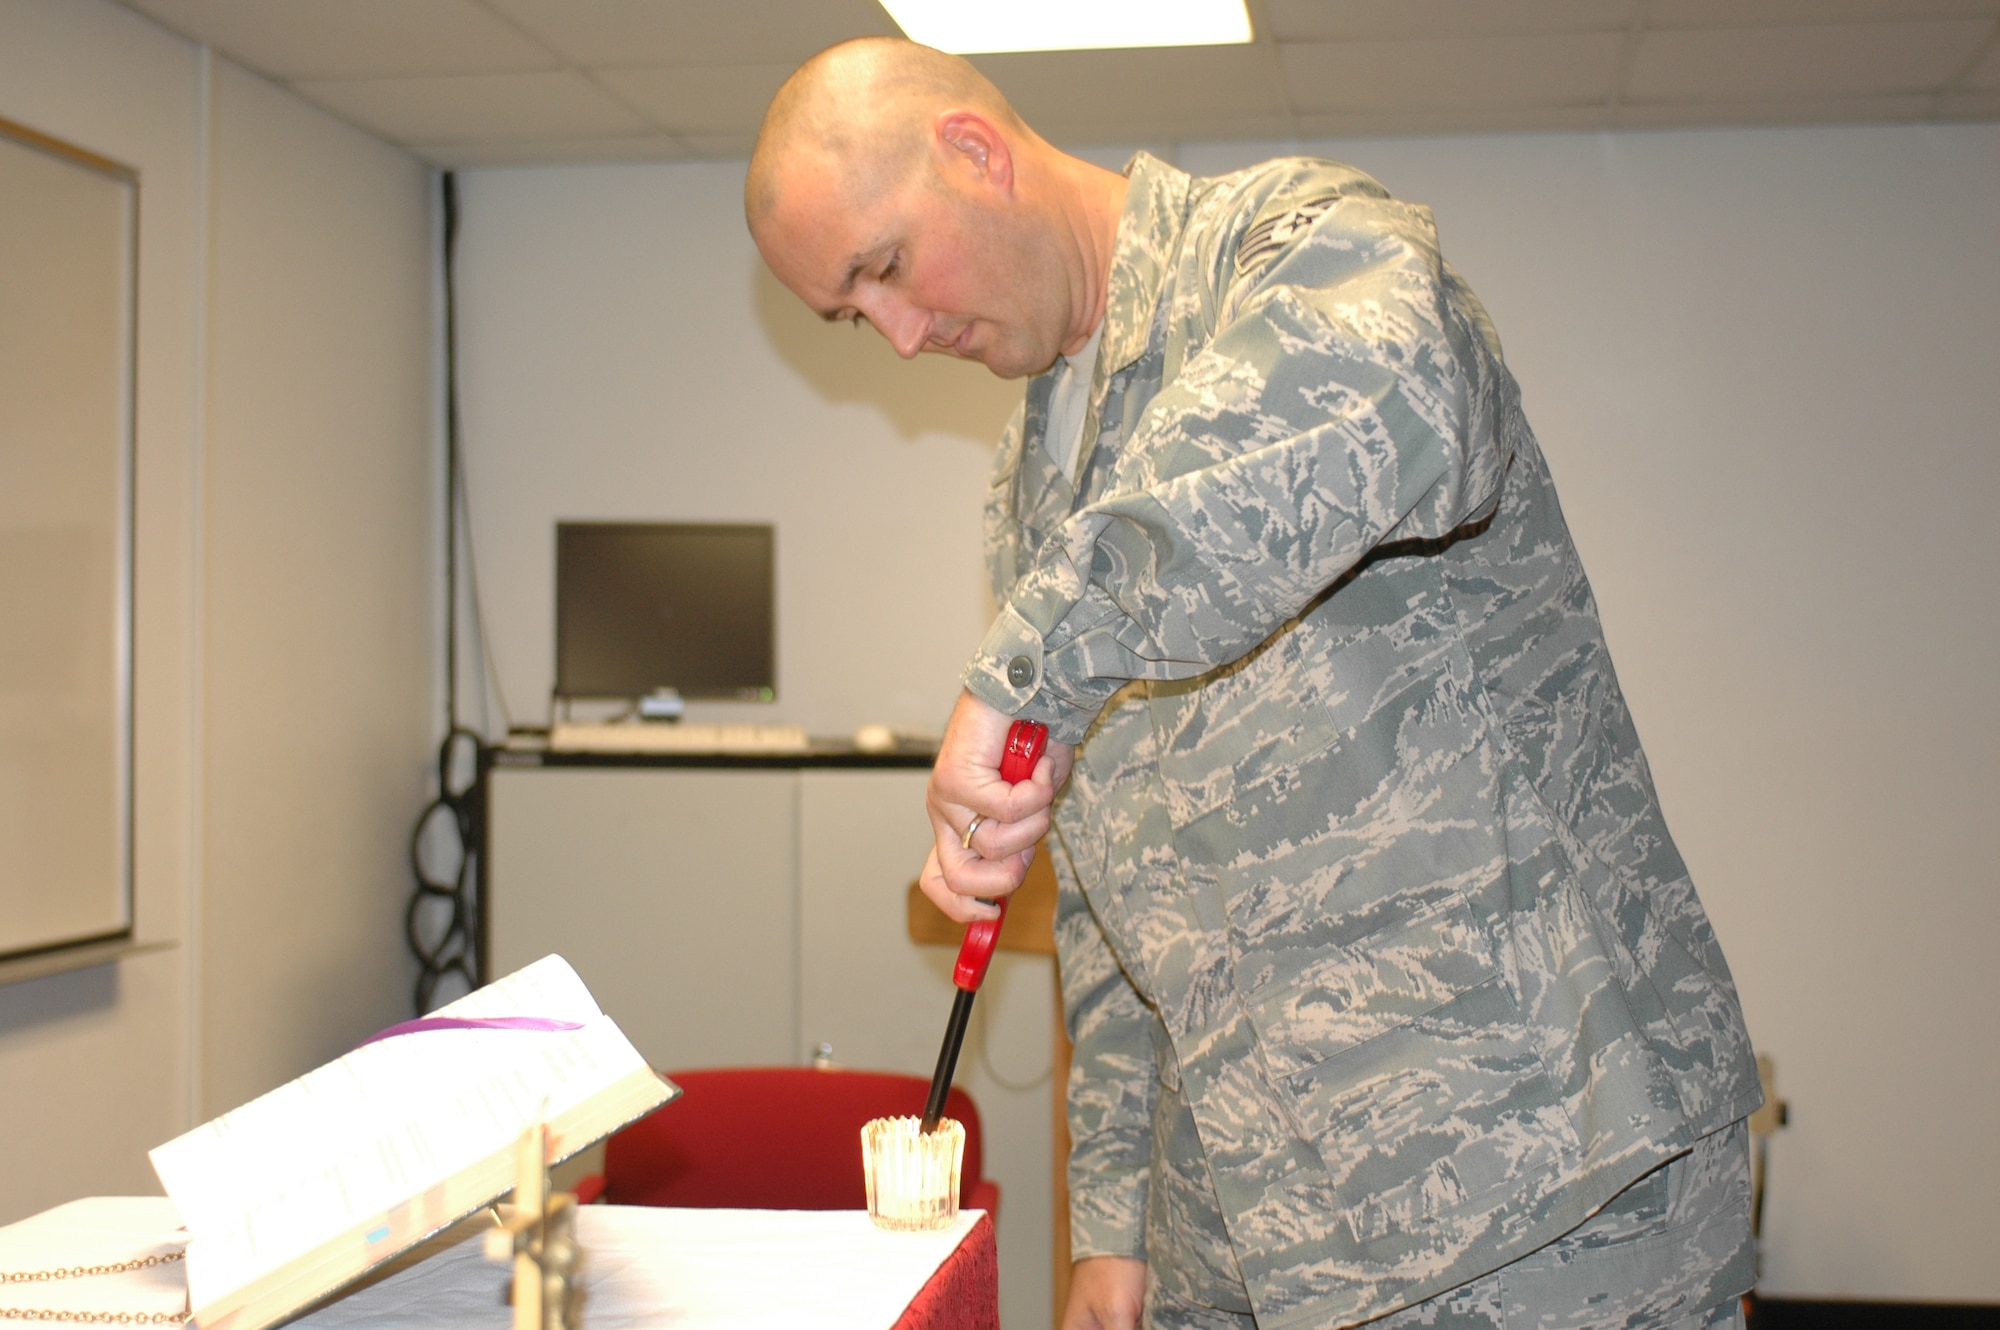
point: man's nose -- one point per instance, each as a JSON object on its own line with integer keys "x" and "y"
{"x": 908, "y": 329}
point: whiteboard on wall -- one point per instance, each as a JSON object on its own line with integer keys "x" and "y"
{"x": 68, "y": 235}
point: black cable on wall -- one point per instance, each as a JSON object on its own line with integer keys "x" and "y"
{"x": 441, "y": 922}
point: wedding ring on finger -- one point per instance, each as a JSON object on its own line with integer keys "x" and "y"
{"x": 978, "y": 819}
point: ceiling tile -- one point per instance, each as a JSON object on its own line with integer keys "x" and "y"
{"x": 1971, "y": 106}
{"x": 618, "y": 33}
{"x": 1423, "y": 76}
{"x": 707, "y": 99}
{"x": 1505, "y": 120}
{"x": 1139, "y": 88}
{"x": 1790, "y": 111}
{"x": 1082, "y": 133}
{"x": 721, "y": 147}
{"x": 1985, "y": 74}
{"x": 1374, "y": 20}
{"x": 1779, "y": 13}
{"x": 318, "y": 39}
{"x": 1826, "y": 61}
{"x": 556, "y": 152}
{"x": 478, "y": 108}
{"x": 486, "y": 79}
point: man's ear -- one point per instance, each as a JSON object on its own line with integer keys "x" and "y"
{"x": 968, "y": 141}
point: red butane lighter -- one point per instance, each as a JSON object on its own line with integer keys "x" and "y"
{"x": 1025, "y": 741}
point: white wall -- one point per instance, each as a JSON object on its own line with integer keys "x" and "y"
{"x": 284, "y": 647}
{"x": 1762, "y": 364}
{"x": 625, "y": 355}
{"x": 317, "y": 585}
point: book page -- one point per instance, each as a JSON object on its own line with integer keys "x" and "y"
{"x": 312, "y": 1159}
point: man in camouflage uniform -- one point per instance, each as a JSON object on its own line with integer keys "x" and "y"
{"x": 1391, "y": 997}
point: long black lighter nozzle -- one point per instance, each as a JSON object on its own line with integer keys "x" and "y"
{"x": 1025, "y": 742}
{"x": 947, "y": 1063}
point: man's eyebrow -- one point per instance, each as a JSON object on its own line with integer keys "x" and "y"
{"x": 861, "y": 263}
{"x": 857, "y": 265}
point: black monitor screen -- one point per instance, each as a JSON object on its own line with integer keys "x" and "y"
{"x": 642, "y": 606}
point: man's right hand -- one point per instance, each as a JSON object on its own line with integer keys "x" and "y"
{"x": 961, "y": 878}
{"x": 1105, "y": 1293}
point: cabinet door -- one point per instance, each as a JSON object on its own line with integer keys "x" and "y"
{"x": 864, "y": 987}
{"x": 672, "y": 892}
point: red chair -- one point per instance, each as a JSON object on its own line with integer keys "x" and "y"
{"x": 773, "y": 1138}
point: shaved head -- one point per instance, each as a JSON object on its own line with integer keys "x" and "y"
{"x": 893, "y": 185}
{"x": 862, "y": 113}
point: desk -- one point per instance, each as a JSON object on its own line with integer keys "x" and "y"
{"x": 692, "y": 1269}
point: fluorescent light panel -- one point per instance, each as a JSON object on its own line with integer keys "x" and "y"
{"x": 965, "y": 28}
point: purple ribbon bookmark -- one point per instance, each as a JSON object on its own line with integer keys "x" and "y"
{"x": 469, "y": 1023}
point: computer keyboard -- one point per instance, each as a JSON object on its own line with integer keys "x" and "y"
{"x": 678, "y": 737}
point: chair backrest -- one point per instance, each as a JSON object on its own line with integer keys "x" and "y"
{"x": 770, "y": 1138}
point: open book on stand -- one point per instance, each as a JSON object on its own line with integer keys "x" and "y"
{"x": 302, "y": 1191}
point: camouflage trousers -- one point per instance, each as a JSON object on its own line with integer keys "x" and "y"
{"x": 1670, "y": 1252}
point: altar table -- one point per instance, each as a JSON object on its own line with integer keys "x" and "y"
{"x": 687, "y": 1269}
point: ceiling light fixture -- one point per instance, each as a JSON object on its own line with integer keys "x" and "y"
{"x": 1069, "y": 25}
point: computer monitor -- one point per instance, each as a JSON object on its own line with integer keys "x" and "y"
{"x": 647, "y": 606}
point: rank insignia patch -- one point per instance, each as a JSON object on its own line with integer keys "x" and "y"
{"x": 1271, "y": 235}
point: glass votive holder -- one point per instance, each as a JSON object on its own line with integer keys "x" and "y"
{"x": 912, "y": 1177}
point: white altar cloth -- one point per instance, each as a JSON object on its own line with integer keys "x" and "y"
{"x": 642, "y": 1266}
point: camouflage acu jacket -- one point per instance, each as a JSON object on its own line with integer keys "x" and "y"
{"x": 1361, "y": 854}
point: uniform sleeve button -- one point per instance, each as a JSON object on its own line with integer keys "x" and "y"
{"x": 1020, "y": 671}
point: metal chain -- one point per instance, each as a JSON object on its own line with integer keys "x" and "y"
{"x": 93, "y": 1318}
{"x": 79, "y": 1272}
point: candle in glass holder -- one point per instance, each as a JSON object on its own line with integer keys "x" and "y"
{"x": 912, "y": 1175}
